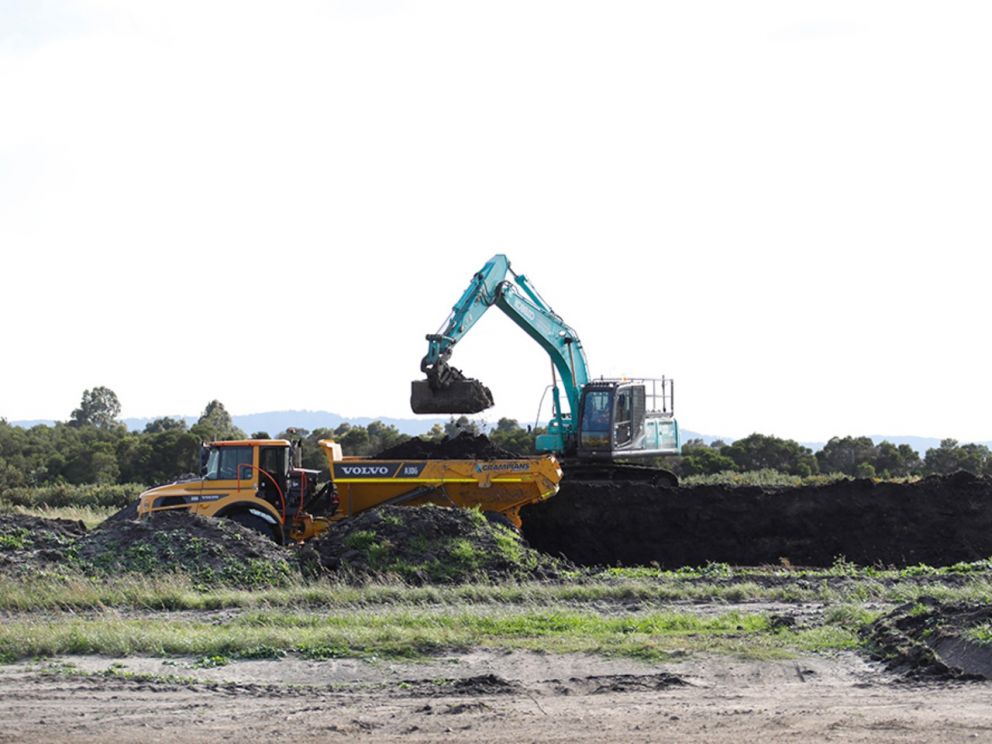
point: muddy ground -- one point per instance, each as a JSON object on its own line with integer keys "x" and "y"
{"x": 486, "y": 697}
{"x": 929, "y": 639}
{"x": 937, "y": 521}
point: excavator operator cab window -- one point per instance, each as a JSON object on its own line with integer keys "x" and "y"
{"x": 595, "y": 430}
{"x": 622, "y": 418}
{"x": 228, "y": 463}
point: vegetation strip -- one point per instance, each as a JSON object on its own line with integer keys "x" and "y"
{"x": 618, "y": 587}
{"x": 411, "y": 634}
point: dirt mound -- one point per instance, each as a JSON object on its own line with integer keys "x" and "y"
{"x": 937, "y": 521}
{"x": 929, "y": 639}
{"x": 28, "y": 543}
{"x": 212, "y": 551}
{"x": 465, "y": 446}
{"x": 430, "y": 544}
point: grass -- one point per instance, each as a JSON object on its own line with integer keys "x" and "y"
{"x": 980, "y": 634}
{"x": 55, "y": 592}
{"x": 410, "y": 634}
{"x": 611, "y": 616}
{"x": 91, "y": 516}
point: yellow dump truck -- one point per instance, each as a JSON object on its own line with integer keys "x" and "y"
{"x": 260, "y": 484}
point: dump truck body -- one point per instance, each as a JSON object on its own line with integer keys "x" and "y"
{"x": 500, "y": 486}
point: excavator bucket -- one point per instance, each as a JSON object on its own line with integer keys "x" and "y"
{"x": 460, "y": 396}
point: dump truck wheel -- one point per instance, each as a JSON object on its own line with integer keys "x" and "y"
{"x": 255, "y": 522}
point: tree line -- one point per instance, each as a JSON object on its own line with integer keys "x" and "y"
{"x": 858, "y": 457}
{"x": 92, "y": 446}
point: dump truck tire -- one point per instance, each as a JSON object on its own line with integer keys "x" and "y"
{"x": 254, "y": 522}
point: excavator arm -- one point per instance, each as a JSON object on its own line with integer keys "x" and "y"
{"x": 447, "y": 390}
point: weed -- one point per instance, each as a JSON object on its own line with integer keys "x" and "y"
{"x": 15, "y": 540}
{"x": 211, "y": 662}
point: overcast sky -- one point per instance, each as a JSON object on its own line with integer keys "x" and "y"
{"x": 783, "y": 205}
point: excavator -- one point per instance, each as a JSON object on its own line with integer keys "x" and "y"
{"x": 607, "y": 421}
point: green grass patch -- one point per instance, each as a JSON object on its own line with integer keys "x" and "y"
{"x": 177, "y": 591}
{"x": 980, "y": 634}
{"x": 412, "y": 634}
{"x": 15, "y": 540}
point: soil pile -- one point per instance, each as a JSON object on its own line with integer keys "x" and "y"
{"x": 929, "y": 639}
{"x": 465, "y": 446}
{"x": 28, "y": 543}
{"x": 430, "y": 544}
{"x": 937, "y": 521}
{"x": 211, "y": 551}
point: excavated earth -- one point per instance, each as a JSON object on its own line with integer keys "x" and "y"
{"x": 209, "y": 550}
{"x": 465, "y": 446}
{"x": 27, "y": 542}
{"x": 938, "y": 521}
{"x": 930, "y": 639}
{"x": 430, "y": 544}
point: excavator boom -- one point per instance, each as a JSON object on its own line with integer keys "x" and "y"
{"x": 604, "y": 419}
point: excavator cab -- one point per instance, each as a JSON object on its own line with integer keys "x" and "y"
{"x": 627, "y": 418}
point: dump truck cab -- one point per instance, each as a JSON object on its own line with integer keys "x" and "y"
{"x": 253, "y": 481}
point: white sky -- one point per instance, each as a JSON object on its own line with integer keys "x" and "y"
{"x": 783, "y": 205}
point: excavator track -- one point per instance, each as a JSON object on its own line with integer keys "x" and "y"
{"x": 614, "y": 472}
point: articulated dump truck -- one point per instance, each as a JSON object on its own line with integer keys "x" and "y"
{"x": 260, "y": 484}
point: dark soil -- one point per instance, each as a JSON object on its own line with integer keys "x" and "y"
{"x": 429, "y": 544}
{"x": 28, "y": 543}
{"x": 937, "y": 521}
{"x": 929, "y": 639}
{"x": 465, "y": 395}
{"x": 465, "y": 446}
{"x": 210, "y": 550}
{"x": 483, "y": 684}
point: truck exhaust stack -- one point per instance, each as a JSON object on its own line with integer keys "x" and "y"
{"x": 459, "y": 396}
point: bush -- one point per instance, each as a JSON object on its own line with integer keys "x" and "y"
{"x": 105, "y": 495}
{"x": 765, "y": 478}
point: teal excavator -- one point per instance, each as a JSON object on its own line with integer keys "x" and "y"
{"x": 606, "y": 420}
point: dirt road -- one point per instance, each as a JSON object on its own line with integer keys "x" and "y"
{"x": 485, "y": 696}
